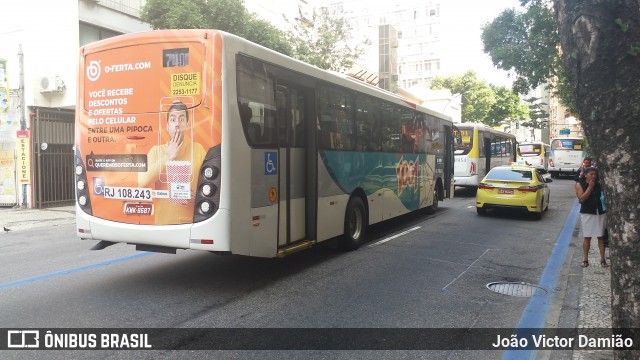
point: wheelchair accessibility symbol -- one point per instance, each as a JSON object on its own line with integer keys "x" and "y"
{"x": 270, "y": 163}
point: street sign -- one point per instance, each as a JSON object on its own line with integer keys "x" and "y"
{"x": 565, "y": 131}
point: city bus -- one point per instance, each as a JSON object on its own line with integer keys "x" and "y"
{"x": 478, "y": 148}
{"x": 567, "y": 154}
{"x": 534, "y": 153}
{"x": 199, "y": 139}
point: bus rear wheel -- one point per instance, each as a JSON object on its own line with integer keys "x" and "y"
{"x": 355, "y": 225}
{"x": 436, "y": 198}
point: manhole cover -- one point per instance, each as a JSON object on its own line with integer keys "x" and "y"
{"x": 514, "y": 288}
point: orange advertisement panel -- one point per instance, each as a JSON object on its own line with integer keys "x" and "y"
{"x": 150, "y": 112}
{"x": 23, "y": 145}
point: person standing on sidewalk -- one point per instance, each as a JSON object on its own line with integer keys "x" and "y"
{"x": 592, "y": 213}
{"x": 586, "y": 163}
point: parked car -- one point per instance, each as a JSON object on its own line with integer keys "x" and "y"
{"x": 514, "y": 187}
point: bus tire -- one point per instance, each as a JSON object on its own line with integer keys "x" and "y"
{"x": 436, "y": 199}
{"x": 355, "y": 224}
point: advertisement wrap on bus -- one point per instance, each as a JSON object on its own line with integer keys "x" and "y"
{"x": 143, "y": 127}
{"x": 199, "y": 139}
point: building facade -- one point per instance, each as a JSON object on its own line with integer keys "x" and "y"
{"x": 39, "y": 43}
{"x": 417, "y": 26}
{"x": 562, "y": 121}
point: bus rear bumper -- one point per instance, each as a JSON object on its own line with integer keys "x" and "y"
{"x": 563, "y": 171}
{"x": 466, "y": 181}
{"x": 186, "y": 236}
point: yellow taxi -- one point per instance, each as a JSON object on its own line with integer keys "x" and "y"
{"x": 514, "y": 187}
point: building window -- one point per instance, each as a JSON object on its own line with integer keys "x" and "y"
{"x": 90, "y": 33}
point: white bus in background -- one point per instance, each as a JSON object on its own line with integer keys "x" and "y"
{"x": 534, "y": 153}
{"x": 567, "y": 154}
{"x": 479, "y": 148}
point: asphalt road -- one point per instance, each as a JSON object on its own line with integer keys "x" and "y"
{"x": 432, "y": 276}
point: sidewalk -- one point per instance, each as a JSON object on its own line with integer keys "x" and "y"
{"x": 595, "y": 299}
{"x": 18, "y": 219}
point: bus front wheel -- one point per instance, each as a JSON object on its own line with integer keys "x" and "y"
{"x": 355, "y": 224}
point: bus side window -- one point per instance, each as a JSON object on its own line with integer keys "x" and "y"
{"x": 365, "y": 124}
{"x": 408, "y": 131}
{"x": 326, "y": 127}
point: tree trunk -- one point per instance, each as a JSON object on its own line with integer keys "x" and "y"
{"x": 601, "y": 52}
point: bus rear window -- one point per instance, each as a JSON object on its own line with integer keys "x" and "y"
{"x": 567, "y": 144}
{"x": 530, "y": 149}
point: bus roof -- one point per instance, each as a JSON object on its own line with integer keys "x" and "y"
{"x": 256, "y": 50}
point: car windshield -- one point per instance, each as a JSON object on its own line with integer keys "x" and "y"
{"x": 509, "y": 175}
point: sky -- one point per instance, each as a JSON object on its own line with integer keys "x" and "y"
{"x": 464, "y": 52}
{"x": 464, "y": 47}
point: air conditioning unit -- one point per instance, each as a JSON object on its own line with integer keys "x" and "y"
{"x": 51, "y": 84}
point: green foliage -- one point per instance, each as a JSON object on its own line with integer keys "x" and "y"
{"x": 481, "y": 102}
{"x": 226, "y": 15}
{"x": 523, "y": 43}
{"x": 538, "y": 118}
{"x": 507, "y": 106}
{"x": 527, "y": 43}
{"x": 325, "y": 41}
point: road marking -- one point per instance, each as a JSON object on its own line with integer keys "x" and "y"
{"x": 394, "y": 236}
{"x": 467, "y": 269}
{"x": 72, "y": 270}
{"x": 535, "y": 314}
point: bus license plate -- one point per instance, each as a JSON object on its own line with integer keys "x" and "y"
{"x": 127, "y": 193}
{"x": 138, "y": 208}
{"x": 505, "y": 191}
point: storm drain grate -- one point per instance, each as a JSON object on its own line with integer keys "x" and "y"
{"x": 514, "y": 288}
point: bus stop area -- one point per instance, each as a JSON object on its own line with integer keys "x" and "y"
{"x": 587, "y": 296}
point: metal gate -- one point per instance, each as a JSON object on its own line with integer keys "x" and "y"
{"x": 53, "y": 138}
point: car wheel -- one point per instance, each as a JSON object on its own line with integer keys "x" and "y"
{"x": 538, "y": 215}
{"x": 481, "y": 211}
{"x": 355, "y": 225}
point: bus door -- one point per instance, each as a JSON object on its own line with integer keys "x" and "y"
{"x": 487, "y": 153}
{"x": 295, "y": 212}
{"x": 449, "y": 160}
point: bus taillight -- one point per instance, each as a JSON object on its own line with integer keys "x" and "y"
{"x": 208, "y": 194}
{"x": 82, "y": 194}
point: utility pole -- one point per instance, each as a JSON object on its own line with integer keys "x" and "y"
{"x": 23, "y": 120}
